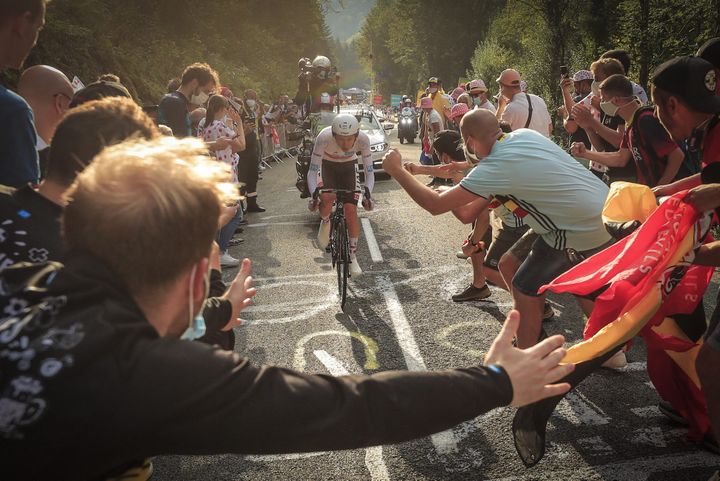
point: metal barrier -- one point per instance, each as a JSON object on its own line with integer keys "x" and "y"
{"x": 280, "y": 150}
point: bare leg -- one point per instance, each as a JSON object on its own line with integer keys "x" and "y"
{"x": 531, "y": 309}
{"x": 477, "y": 265}
{"x": 353, "y": 222}
{"x": 326, "y": 203}
{"x": 496, "y": 278}
{"x": 508, "y": 266}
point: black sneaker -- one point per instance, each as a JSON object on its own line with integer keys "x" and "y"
{"x": 472, "y": 293}
{"x": 548, "y": 312}
{"x": 671, "y": 413}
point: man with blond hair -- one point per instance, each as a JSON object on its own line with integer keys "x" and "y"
{"x": 111, "y": 379}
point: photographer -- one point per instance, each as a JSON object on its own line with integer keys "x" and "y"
{"x": 315, "y": 78}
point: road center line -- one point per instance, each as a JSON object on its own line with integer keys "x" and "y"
{"x": 445, "y": 441}
{"x": 372, "y": 244}
{"x": 373, "y": 455}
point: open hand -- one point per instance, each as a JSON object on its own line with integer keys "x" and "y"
{"x": 532, "y": 371}
{"x": 240, "y": 293}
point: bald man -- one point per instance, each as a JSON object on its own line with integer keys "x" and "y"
{"x": 48, "y": 92}
{"x": 521, "y": 109}
{"x": 539, "y": 182}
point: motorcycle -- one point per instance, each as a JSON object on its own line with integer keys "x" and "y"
{"x": 407, "y": 125}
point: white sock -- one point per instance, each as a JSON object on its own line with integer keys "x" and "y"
{"x": 353, "y": 245}
{"x": 326, "y": 219}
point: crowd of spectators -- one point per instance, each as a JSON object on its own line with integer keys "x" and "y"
{"x": 116, "y": 222}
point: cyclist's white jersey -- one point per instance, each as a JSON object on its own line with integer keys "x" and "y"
{"x": 327, "y": 149}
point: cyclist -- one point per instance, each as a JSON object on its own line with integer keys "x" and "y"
{"x": 334, "y": 157}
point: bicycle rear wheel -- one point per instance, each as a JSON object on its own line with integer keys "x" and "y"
{"x": 342, "y": 261}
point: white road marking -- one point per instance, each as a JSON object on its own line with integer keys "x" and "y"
{"x": 373, "y": 455}
{"x": 647, "y": 412}
{"x": 274, "y": 224}
{"x": 289, "y": 311}
{"x": 635, "y": 470}
{"x": 269, "y": 458}
{"x": 445, "y": 441}
{"x": 577, "y": 409}
{"x": 634, "y": 367}
{"x": 372, "y": 244}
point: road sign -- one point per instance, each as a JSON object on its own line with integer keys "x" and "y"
{"x": 377, "y": 100}
{"x": 395, "y": 100}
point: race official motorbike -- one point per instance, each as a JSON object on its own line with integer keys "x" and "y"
{"x": 407, "y": 125}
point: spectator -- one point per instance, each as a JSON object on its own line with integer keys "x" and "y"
{"x": 683, "y": 89}
{"x": 604, "y": 131}
{"x": 196, "y": 116}
{"x": 582, "y": 83}
{"x": 48, "y": 92}
{"x": 173, "y": 85}
{"x": 81, "y": 135}
{"x": 129, "y": 306}
{"x": 431, "y": 124}
{"x": 248, "y": 165}
{"x": 439, "y": 100}
{"x": 99, "y": 90}
{"x": 624, "y": 58}
{"x": 537, "y": 181}
{"x": 520, "y": 109}
{"x": 657, "y": 158}
{"x": 478, "y": 92}
{"x": 466, "y": 99}
{"x": 20, "y": 23}
{"x": 198, "y": 82}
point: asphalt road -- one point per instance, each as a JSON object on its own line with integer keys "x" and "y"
{"x": 400, "y": 316}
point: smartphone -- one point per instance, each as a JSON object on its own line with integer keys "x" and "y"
{"x": 563, "y": 71}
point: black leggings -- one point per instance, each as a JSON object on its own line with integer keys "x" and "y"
{"x": 248, "y": 164}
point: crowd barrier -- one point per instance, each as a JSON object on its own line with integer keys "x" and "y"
{"x": 275, "y": 145}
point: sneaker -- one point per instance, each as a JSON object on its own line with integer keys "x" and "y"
{"x": 323, "y": 236}
{"x": 226, "y": 260}
{"x": 548, "y": 312}
{"x": 242, "y": 223}
{"x": 460, "y": 255}
{"x": 472, "y": 293}
{"x": 355, "y": 270}
{"x": 236, "y": 241}
{"x": 619, "y": 360}
{"x": 669, "y": 412}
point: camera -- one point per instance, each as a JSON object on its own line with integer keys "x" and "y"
{"x": 563, "y": 71}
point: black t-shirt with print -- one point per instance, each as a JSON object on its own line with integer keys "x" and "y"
{"x": 29, "y": 227}
{"x": 616, "y": 173}
{"x": 88, "y": 384}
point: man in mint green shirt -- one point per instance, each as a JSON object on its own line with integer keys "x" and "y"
{"x": 537, "y": 181}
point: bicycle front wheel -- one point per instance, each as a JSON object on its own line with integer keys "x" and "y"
{"x": 342, "y": 261}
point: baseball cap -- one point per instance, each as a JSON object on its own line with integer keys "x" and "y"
{"x": 477, "y": 86}
{"x": 99, "y": 90}
{"x": 458, "y": 110}
{"x": 581, "y": 75}
{"x": 509, "y": 77}
{"x": 710, "y": 51}
{"x": 692, "y": 79}
{"x": 426, "y": 103}
{"x": 433, "y": 80}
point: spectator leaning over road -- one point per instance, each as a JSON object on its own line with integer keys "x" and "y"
{"x": 581, "y": 82}
{"x": 624, "y": 58}
{"x": 538, "y": 182}
{"x": 20, "y": 23}
{"x": 48, "y": 92}
{"x": 122, "y": 314}
{"x": 198, "y": 82}
{"x": 520, "y": 109}
{"x": 34, "y": 215}
{"x": 684, "y": 92}
{"x": 604, "y": 131}
{"x": 646, "y": 144}
{"x": 478, "y": 91}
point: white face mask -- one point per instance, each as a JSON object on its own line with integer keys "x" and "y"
{"x": 199, "y": 99}
{"x": 196, "y": 326}
{"x": 251, "y": 103}
{"x": 432, "y": 90}
{"x": 469, "y": 155}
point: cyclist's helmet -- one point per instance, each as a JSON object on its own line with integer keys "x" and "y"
{"x": 321, "y": 62}
{"x": 345, "y": 124}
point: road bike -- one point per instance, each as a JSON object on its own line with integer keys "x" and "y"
{"x": 339, "y": 245}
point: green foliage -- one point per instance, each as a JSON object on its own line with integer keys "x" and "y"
{"x": 251, "y": 43}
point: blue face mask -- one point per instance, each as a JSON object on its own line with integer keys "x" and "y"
{"x": 196, "y": 328}
{"x": 477, "y": 101}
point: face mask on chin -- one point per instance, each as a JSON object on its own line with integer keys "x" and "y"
{"x": 432, "y": 90}
{"x": 199, "y": 98}
{"x": 251, "y": 103}
{"x": 196, "y": 327}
